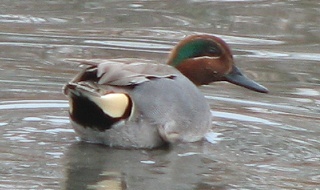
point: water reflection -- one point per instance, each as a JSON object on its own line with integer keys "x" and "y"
{"x": 87, "y": 166}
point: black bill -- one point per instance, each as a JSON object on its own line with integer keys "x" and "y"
{"x": 237, "y": 78}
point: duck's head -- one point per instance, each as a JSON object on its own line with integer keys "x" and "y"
{"x": 205, "y": 59}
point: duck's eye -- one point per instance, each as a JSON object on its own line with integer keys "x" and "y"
{"x": 214, "y": 50}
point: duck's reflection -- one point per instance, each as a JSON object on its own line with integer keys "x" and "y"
{"x": 91, "y": 166}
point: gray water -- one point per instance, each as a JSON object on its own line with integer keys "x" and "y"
{"x": 260, "y": 141}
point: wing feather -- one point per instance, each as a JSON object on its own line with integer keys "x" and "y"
{"x": 122, "y": 74}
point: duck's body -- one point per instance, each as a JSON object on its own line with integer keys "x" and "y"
{"x": 163, "y": 105}
{"x": 143, "y": 105}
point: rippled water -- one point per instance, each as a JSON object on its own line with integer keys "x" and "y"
{"x": 258, "y": 141}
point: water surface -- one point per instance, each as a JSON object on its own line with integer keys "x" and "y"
{"x": 259, "y": 141}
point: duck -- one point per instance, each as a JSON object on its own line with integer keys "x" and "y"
{"x": 148, "y": 105}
